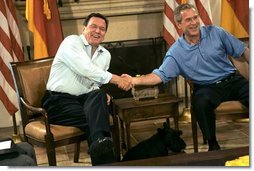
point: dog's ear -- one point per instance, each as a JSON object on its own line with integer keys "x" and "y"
{"x": 160, "y": 131}
{"x": 165, "y": 125}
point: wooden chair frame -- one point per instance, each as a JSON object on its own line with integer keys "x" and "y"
{"x": 32, "y": 112}
{"x": 222, "y": 112}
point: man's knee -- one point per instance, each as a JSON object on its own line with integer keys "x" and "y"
{"x": 27, "y": 149}
{"x": 25, "y": 160}
{"x": 20, "y": 160}
{"x": 201, "y": 101}
{"x": 97, "y": 95}
{"x": 98, "y": 92}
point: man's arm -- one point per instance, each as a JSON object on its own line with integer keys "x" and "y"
{"x": 246, "y": 54}
{"x": 244, "y": 57}
{"x": 148, "y": 79}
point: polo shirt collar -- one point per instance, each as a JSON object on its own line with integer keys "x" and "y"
{"x": 186, "y": 45}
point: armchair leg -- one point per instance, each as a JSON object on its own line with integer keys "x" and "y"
{"x": 116, "y": 138}
{"x": 51, "y": 157}
{"x": 76, "y": 152}
{"x": 194, "y": 132}
{"x": 50, "y": 148}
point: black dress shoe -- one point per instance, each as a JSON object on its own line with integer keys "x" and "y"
{"x": 214, "y": 147}
{"x": 102, "y": 151}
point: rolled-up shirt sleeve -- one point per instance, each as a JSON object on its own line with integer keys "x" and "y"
{"x": 168, "y": 69}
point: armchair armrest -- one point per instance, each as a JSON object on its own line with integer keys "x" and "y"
{"x": 32, "y": 108}
{"x": 37, "y": 110}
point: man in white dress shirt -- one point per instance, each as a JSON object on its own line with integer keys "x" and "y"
{"x": 73, "y": 95}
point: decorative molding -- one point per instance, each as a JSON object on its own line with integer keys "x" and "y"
{"x": 76, "y": 10}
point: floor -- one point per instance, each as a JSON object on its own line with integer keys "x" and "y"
{"x": 230, "y": 134}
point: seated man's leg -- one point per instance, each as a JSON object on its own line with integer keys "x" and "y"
{"x": 20, "y": 160}
{"x": 26, "y": 149}
{"x": 240, "y": 90}
{"x": 64, "y": 109}
{"x": 205, "y": 100}
{"x": 89, "y": 112}
{"x": 25, "y": 156}
{"x": 96, "y": 109}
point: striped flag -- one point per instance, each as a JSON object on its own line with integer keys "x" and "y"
{"x": 235, "y": 17}
{"x": 44, "y": 23}
{"x": 11, "y": 50}
{"x": 170, "y": 31}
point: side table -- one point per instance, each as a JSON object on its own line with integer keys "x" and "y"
{"x": 130, "y": 110}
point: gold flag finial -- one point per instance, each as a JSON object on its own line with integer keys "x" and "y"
{"x": 46, "y": 9}
{"x": 184, "y": 1}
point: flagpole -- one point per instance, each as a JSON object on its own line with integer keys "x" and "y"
{"x": 186, "y": 115}
{"x": 15, "y": 136}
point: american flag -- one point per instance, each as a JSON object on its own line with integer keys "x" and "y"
{"x": 170, "y": 31}
{"x": 10, "y": 50}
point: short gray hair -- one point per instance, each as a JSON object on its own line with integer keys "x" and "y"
{"x": 179, "y": 9}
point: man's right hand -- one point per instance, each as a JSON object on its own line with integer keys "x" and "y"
{"x": 125, "y": 82}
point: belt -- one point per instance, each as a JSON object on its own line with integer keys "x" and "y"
{"x": 55, "y": 93}
{"x": 226, "y": 79}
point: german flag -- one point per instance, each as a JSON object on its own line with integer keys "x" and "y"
{"x": 235, "y": 17}
{"x": 44, "y": 22}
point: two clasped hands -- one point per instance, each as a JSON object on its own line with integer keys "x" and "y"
{"x": 126, "y": 82}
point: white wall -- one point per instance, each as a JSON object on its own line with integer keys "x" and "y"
{"x": 6, "y": 119}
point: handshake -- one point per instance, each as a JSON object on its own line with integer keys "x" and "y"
{"x": 125, "y": 82}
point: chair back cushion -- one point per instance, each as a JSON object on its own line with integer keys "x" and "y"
{"x": 31, "y": 78}
{"x": 34, "y": 79}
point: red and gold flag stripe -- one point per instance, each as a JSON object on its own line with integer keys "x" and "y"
{"x": 44, "y": 21}
{"x": 235, "y": 17}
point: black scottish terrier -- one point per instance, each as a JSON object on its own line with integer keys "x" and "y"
{"x": 165, "y": 140}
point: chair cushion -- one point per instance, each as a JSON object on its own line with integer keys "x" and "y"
{"x": 231, "y": 107}
{"x": 37, "y": 130}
